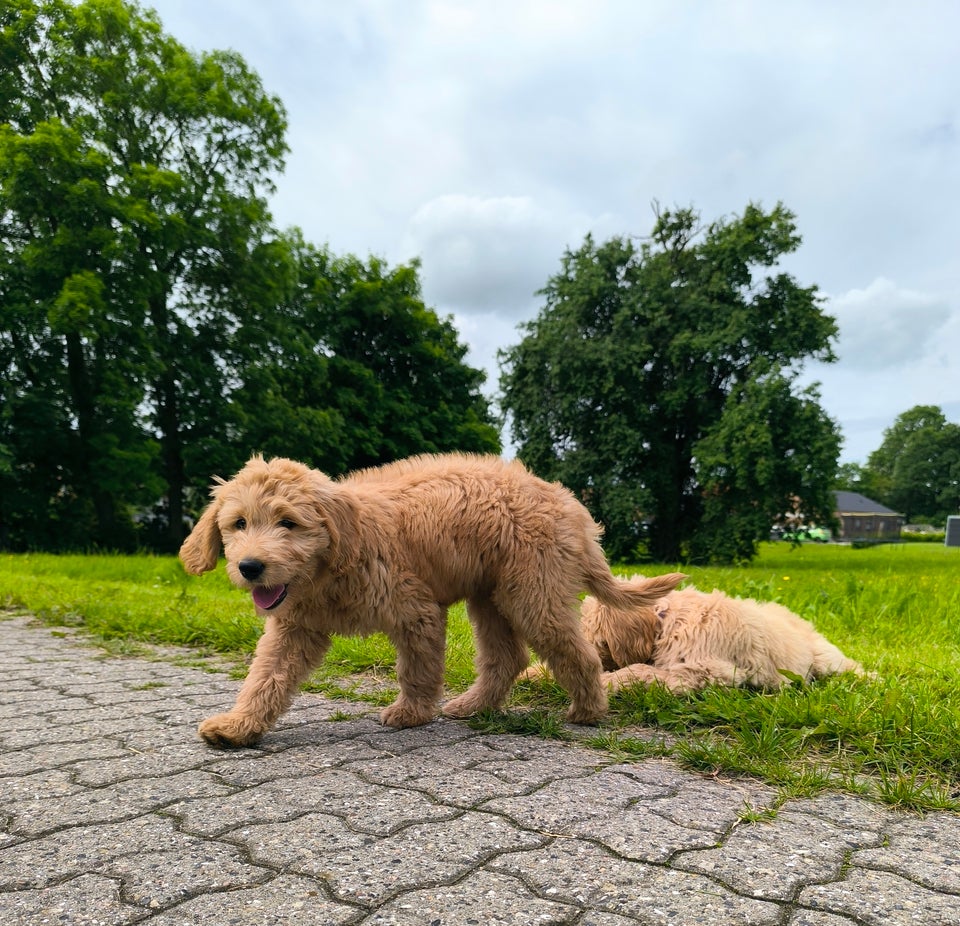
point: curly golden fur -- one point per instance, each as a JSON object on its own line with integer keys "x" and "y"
{"x": 689, "y": 639}
{"x": 389, "y": 550}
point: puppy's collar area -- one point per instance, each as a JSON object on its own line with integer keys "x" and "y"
{"x": 268, "y": 597}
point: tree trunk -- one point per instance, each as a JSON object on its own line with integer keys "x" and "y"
{"x": 85, "y": 464}
{"x": 168, "y": 423}
{"x": 172, "y": 456}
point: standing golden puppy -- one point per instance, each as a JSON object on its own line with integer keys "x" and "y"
{"x": 390, "y": 549}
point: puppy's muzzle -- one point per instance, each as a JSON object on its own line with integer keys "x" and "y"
{"x": 251, "y": 569}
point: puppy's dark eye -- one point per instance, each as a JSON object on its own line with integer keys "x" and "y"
{"x": 240, "y": 524}
{"x": 287, "y": 524}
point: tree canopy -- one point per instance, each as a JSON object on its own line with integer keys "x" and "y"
{"x": 356, "y": 371}
{"x": 916, "y": 469}
{"x": 659, "y": 383}
{"x": 154, "y": 325}
{"x": 132, "y": 182}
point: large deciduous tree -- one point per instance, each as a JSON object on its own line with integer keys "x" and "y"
{"x": 132, "y": 181}
{"x": 357, "y": 371}
{"x": 659, "y": 382}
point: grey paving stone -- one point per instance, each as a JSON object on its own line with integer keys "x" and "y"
{"x": 877, "y": 898}
{"x": 713, "y": 805}
{"x": 18, "y": 695}
{"x": 530, "y": 764}
{"x": 366, "y": 870}
{"x": 848, "y": 810}
{"x": 595, "y": 918}
{"x": 666, "y": 775}
{"x": 52, "y": 708}
{"x": 639, "y": 833}
{"x": 287, "y": 900}
{"x": 365, "y": 807}
{"x": 817, "y": 918}
{"x": 775, "y": 859}
{"x": 39, "y": 862}
{"x": 158, "y": 731}
{"x": 35, "y": 789}
{"x": 580, "y": 873}
{"x": 134, "y": 698}
{"x": 88, "y": 900}
{"x": 14, "y": 684}
{"x": 112, "y": 803}
{"x": 45, "y": 756}
{"x": 304, "y": 844}
{"x": 925, "y": 850}
{"x": 396, "y": 742}
{"x": 464, "y": 788}
{"x": 97, "y": 724}
{"x": 416, "y": 763}
{"x": 557, "y": 807}
{"x": 300, "y": 735}
{"x": 313, "y": 728}
{"x": 155, "y": 879}
{"x": 113, "y": 811}
{"x": 482, "y": 898}
{"x": 157, "y": 760}
{"x": 244, "y": 767}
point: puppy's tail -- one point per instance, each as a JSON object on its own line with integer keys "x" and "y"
{"x": 635, "y": 592}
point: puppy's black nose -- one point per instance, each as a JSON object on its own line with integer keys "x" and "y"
{"x": 251, "y": 568}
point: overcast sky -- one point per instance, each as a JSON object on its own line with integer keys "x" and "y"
{"x": 486, "y": 137}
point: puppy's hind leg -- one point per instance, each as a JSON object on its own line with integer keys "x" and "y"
{"x": 553, "y": 628}
{"x": 501, "y": 654}
{"x": 679, "y": 677}
{"x": 828, "y": 659}
{"x": 285, "y": 656}
{"x": 419, "y": 637}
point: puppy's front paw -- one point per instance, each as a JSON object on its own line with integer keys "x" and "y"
{"x": 588, "y": 713}
{"x": 230, "y": 731}
{"x": 404, "y": 714}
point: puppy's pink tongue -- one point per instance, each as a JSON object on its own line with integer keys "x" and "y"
{"x": 268, "y": 596}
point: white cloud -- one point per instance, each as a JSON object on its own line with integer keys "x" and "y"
{"x": 898, "y": 348}
{"x": 883, "y": 325}
{"x": 490, "y": 255}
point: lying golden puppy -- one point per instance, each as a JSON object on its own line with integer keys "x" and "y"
{"x": 390, "y": 549}
{"x": 689, "y": 639}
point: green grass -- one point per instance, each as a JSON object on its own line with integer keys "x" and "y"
{"x": 896, "y": 609}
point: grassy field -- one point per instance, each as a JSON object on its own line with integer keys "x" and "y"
{"x": 896, "y": 609}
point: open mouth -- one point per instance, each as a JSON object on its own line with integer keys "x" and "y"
{"x": 268, "y": 597}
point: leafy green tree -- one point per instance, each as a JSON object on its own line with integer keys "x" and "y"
{"x": 917, "y": 467}
{"x": 659, "y": 383}
{"x": 772, "y": 452}
{"x": 357, "y": 371}
{"x": 132, "y": 181}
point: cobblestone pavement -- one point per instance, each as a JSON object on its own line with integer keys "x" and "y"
{"x": 114, "y": 812}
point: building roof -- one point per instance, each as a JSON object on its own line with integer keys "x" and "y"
{"x": 855, "y": 503}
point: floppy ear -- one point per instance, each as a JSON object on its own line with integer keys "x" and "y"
{"x": 632, "y": 636}
{"x": 341, "y": 517}
{"x": 201, "y": 550}
{"x": 622, "y": 637}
